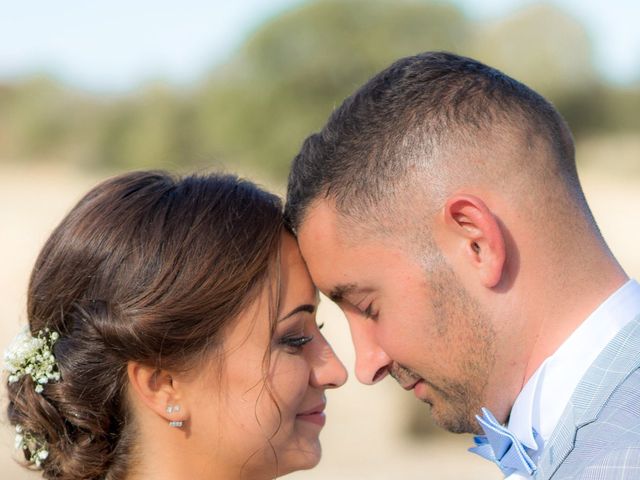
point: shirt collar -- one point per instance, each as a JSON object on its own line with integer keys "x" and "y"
{"x": 541, "y": 402}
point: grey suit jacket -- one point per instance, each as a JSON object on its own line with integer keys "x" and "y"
{"x": 598, "y": 436}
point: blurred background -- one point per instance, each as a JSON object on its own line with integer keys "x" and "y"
{"x": 90, "y": 89}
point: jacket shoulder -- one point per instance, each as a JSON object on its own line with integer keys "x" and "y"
{"x": 619, "y": 464}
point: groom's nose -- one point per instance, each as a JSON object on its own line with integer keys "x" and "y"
{"x": 372, "y": 363}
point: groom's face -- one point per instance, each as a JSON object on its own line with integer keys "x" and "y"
{"x": 422, "y": 327}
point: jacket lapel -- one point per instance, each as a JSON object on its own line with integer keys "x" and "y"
{"x": 617, "y": 361}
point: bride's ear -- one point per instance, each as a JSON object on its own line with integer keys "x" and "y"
{"x": 159, "y": 391}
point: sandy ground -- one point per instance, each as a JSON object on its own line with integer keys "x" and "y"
{"x": 365, "y": 435}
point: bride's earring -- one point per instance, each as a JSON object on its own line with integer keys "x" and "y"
{"x": 174, "y": 409}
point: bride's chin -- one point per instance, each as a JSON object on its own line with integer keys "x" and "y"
{"x": 300, "y": 458}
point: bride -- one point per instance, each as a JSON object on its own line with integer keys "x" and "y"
{"x": 172, "y": 335}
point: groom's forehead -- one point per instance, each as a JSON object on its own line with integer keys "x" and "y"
{"x": 326, "y": 231}
{"x": 325, "y": 253}
{"x": 324, "y": 222}
{"x": 319, "y": 232}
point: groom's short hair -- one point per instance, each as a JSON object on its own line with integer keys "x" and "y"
{"x": 405, "y": 117}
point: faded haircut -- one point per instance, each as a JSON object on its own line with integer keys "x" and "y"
{"x": 404, "y": 117}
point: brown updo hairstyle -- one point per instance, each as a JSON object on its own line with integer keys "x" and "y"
{"x": 147, "y": 268}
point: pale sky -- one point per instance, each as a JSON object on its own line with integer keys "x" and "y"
{"x": 116, "y": 45}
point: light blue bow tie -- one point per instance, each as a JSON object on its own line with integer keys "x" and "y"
{"x": 502, "y": 447}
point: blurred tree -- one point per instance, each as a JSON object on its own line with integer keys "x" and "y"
{"x": 41, "y": 120}
{"x": 621, "y": 106}
{"x": 551, "y": 52}
{"x": 281, "y": 85}
{"x": 154, "y": 129}
{"x": 541, "y": 46}
{"x": 293, "y": 71}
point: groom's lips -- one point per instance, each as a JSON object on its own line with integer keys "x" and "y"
{"x": 419, "y": 388}
{"x": 411, "y": 385}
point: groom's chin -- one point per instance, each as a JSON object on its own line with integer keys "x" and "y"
{"x": 453, "y": 419}
{"x": 453, "y": 405}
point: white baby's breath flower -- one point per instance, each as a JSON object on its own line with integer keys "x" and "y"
{"x": 19, "y": 441}
{"x": 32, "y": 356}
{"x": 34, "y": 445}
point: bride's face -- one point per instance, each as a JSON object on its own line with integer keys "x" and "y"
{"x": 261, "y": 412}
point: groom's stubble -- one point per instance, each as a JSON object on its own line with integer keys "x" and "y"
{"x": 461, "y": 323}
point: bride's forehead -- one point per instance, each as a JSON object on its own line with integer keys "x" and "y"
{"x": 291, "y": 261}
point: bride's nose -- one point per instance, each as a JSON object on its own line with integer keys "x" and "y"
{"x": 327, "y": 371}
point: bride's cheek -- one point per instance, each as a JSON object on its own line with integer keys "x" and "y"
{"x": 291, "y": 383}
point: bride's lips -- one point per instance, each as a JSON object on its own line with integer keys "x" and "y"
{"x": 314, "y": 415}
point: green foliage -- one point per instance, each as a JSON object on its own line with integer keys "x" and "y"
{"x": 541, "y": 46}
{"x": 155, "y": 129}
{"x": 282, "y": 84}
{"x": 291, "y": 73}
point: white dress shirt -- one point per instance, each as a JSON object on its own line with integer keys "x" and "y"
{"x": 541, "y": 402}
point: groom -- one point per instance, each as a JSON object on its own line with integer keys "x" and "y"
{"x": 441, "y": 209}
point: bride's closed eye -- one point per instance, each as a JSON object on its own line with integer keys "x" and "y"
{"x": 295, "y": 337}
{"x": 293, "y": 343}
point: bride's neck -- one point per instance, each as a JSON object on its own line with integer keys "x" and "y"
{"x": 165, "y": 468}
{"x": 167, "y": 459}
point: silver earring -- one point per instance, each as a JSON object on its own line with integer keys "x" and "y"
{"x": 174, "y": 409}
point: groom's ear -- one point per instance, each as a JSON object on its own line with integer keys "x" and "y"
{"x": 472, "y": 238}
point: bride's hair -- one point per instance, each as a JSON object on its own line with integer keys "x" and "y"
{"x": 147, "y": 268}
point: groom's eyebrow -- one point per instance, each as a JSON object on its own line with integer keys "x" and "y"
{"x": 338, "y": 293}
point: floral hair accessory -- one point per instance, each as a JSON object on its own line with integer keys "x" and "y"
{"x": 33, "y": 356}
{"x": 36, "y": 447}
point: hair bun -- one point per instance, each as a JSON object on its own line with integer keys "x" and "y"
{"x": 145, "y": 268}
{"x": 68, "y": 429}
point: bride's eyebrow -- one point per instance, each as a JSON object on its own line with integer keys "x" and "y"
{"x": 308, "y": 308}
